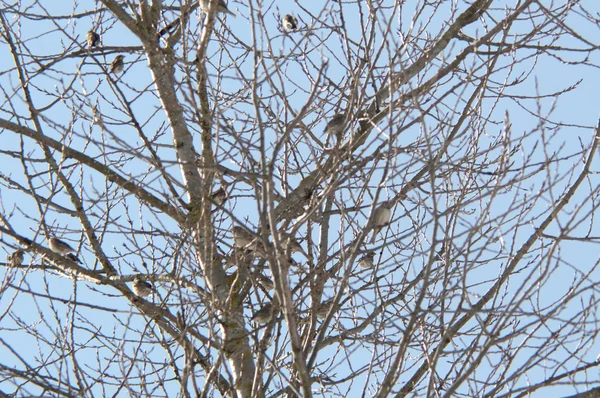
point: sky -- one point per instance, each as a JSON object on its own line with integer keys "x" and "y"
{"x": 577, "y": 108}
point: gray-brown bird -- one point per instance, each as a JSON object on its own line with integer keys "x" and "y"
{"x": 60, "y": 247}
{"x": 367, "y": 260}
{"x": 219, "y": 196}
{"x": 92, "y": 38}
{"x": 221, "y": 7}
{"x": 289, "y": 22}
{"x": 245, "y": 240}
{"x": 381, "y": 217}
{"x": 242, "y": 238}
{"x": 117, "y": 64}
{"x": 264, "y": 281}
{"x": 290, "y": 243}
{"x": 306, "y": 187}
{"x": 141, "y": 287}
{"x": 15, "y": 258}
{"x": 335, "y": 126}
{"x": 264, "y": 314}
{"x": 323, "y": 308}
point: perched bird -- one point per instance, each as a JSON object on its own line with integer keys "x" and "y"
{"x": 264, "y": 314}
{"x": 264, "y": 281}
{"x": 117, "y": 64}
{"x": 141, "y": 287}
{"x": 336, "y": 126}
{"x": 60, "y": 247}
{"x": 381, "y": 217}
{"x": 15, "y": 258}
{"x": 221, "y": 6}
{"x": 367, "y": 260}
{"x": 290, "y": 22}
{"x": 323, "y": 308}
{"x": 307, "y": 187}
{"x": 241, "y": 237}
{"x": 290, "y": 243}
{"x": 247, "y": 241}
{"x": 93, "y": 39}
{"x": 219, "y": 196}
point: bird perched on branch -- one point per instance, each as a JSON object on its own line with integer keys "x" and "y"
{"x": 15, "y": 258}
{"x": 219, "y": 196}
{"x": 264, "y": 314}
{"x": 290, "y": 243}
{"x": 92, "y": 38}
{"x": 141, "y": 287}
{"x": 367, "y": 260}
{"x": 117, "y": 64}
{"x": 58, "y": 246}
{"x": 264, "y": 281}
{"x": 289, "y": 22}
{"x": 381, "y": 217}
{"x": 335, "y": 126}
{"x": 221, "y": 7}
{"x": 323, "y": 308}
{"x": 245, "y": 240}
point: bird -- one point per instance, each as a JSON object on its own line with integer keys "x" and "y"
{"x": 219, "y": 196}
{"x": 290, "y": 243}
{"x": 141, "y": 287}
{"x": 117, "y": 64}
{"x": 245, "y": 240}
{"x": 306, "y": 188}
{"x": 381, "y": 217}
{"x": 290, "y": 22}
{"x": 336, "y": 125}
{"x": 241, "y": 237}
{"x": 221, "y": 7}
{"x": 264, "y": 314}
{"x": 264, "y": 281}
{"x": 60, "y": 247}
{"x": 367, "y": 260}
{"x": 323, "y": 308}
{"x": 16, "y": 258}
{"x": 93, "y": 39}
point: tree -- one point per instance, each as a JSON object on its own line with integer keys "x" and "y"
{"x": 381, "y": 200}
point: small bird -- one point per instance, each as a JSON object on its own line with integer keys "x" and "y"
{"x": 117, "y": 64}
{"x": 290, "y": 243}
{"x": 219, "y": 196}
{"x": 381, "y": 217}
{"x": 247, "y": 241}
{"x": 367, "y": 260}
{"x": 264, "y": 314}
{"x": 60, "y": 247}
{"x": 221, "y": 7}
{"x": 307, "y": 187}
{"x": 323, "y": 308}
{"x": 336, "y": 126}
{"x": 92, "y": 38}
{"x": 141, "y": 287}
{"x": 241, "y": 237}
{"x": 264, "y": 281}
{"x": 15, "y": 258}
{"x": 290, "y": 22}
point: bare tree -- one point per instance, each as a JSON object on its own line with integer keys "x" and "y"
{"x": 337, "y": 198}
